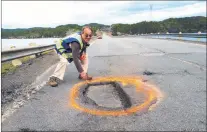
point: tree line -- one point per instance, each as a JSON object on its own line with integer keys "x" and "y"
{"x": 171, "y": 25}
{"x": 40, "y": 32}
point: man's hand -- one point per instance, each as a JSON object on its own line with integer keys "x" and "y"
{"x": 85, "y": 76}
{"x": 83, "y": 56}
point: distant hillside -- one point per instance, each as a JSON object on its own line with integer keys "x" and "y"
{"x": 39, "y": 32}
{"x": 97, "y": 25}
{"x": 171, "y": 25}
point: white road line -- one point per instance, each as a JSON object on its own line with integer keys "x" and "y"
{"x": 188, "y": 62}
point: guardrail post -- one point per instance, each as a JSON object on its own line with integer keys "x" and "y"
{"x": 38, "y": 55}
{"x": 180, "y": 35}
{"x": 199, "y": 39}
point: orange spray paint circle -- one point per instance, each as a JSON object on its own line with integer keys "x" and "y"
{"x": 151, "y": 92}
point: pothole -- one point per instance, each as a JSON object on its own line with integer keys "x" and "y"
{"x": 106, "y": 96}
{"x": 113, "y": 96}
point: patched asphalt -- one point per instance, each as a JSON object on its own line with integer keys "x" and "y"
{"x": 178, "y": 69}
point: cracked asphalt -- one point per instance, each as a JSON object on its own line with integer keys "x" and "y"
{"x": 178, "y": 69}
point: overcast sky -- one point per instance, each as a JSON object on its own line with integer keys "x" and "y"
{"x": 26, "y": 14}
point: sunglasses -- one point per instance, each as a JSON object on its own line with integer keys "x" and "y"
{"x": 88, "y": 35}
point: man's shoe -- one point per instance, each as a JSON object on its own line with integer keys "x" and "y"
{"x": 53, "y": 81}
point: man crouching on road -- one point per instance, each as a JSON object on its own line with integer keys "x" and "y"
{"x": 72, "y": 48}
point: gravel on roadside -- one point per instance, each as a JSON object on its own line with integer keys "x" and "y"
{"x": 15, "y": 83}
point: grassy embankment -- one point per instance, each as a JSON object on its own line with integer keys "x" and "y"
{"x": 8, "y": 67}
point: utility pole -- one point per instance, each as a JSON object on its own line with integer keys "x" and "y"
{"x": 151, "y": 12}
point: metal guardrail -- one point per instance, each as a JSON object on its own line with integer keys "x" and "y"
{"x": 196, "y": 35}
{"x": 8, "y": 55}
{"x": 193, "y": 37}
{"x": 18, "y": 53}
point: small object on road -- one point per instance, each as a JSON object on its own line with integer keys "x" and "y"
{"x": 9, "y": 91}
{"x": 99, "y": 37}
{"x": 33, "y": 92}
{"x": 148, "y": 73}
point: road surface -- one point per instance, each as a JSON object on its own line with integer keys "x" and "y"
{"x": 179, "y": 71}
